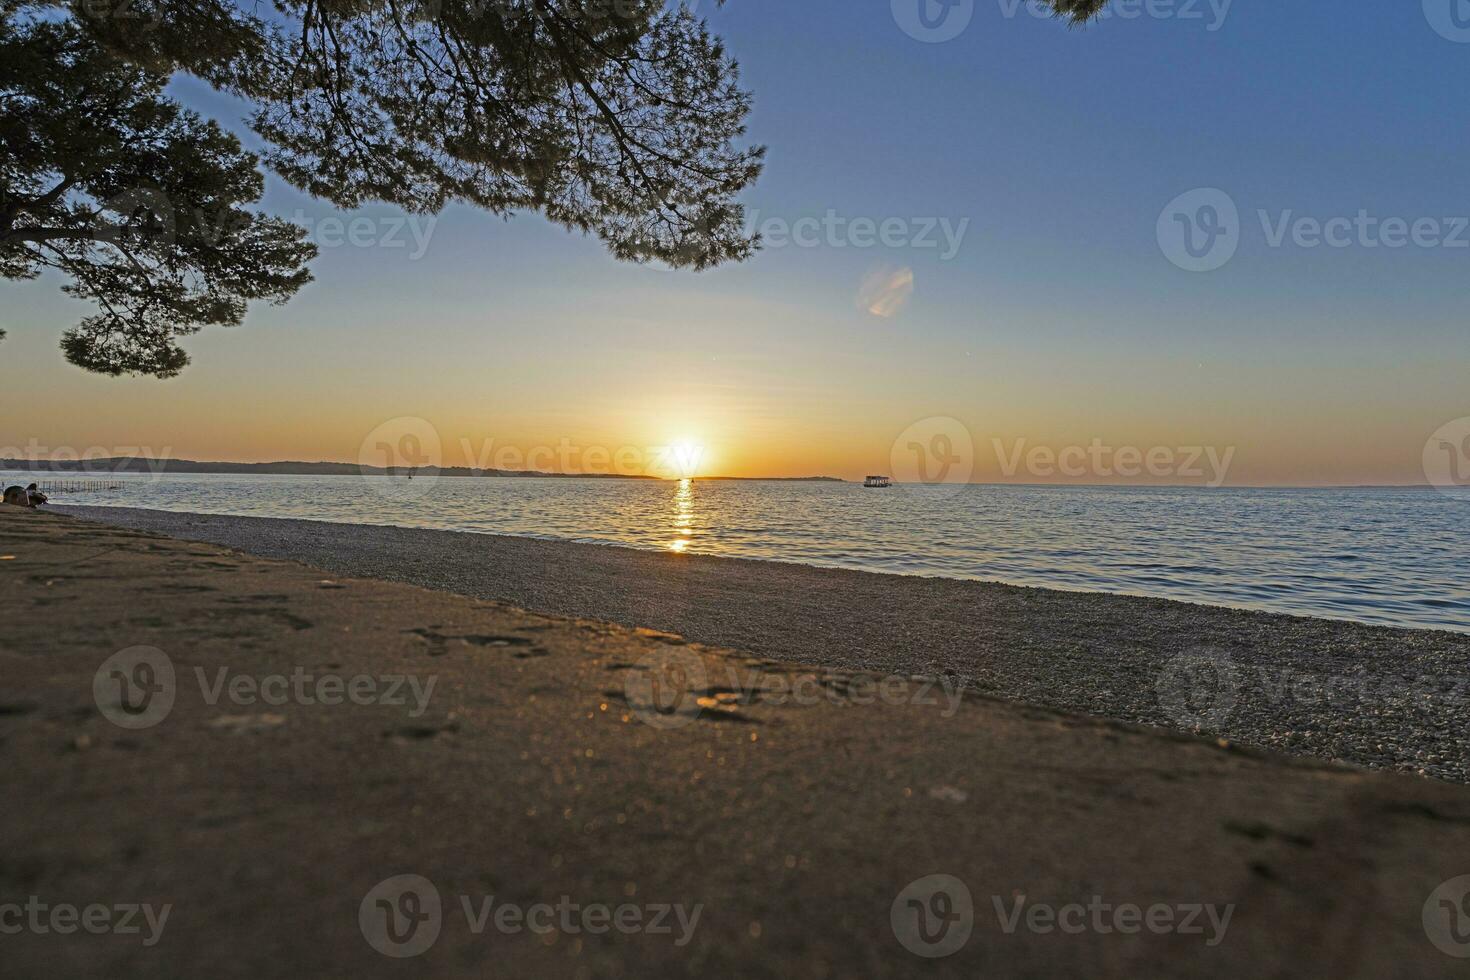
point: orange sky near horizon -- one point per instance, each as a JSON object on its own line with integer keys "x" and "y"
{"x": 777, "y": 381}
{"x": 248, "y": 398}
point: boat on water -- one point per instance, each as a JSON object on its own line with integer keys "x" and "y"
{"x": 878, "y": 482}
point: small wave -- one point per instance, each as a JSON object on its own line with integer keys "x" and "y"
{"x": 1373, "y": 556}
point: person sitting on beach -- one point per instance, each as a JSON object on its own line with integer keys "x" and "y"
{"x": 36, "y": 496}
{"x": 18, "y": 496}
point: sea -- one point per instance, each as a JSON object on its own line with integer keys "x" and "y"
{"x": 1390, "y": 556}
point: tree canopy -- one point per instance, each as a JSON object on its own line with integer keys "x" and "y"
{"x": 620, "y": 118}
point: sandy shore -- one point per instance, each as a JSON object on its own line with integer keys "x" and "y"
{"x": 1369, "y": 695}
{"x": 521, "y": 757}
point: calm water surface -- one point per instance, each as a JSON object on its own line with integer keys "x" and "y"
{"x": 1397, "y": 557}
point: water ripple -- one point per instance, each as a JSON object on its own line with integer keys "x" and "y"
{"x": 1386, "y": 556}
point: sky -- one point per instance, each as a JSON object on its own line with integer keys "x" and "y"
{"x": 1212, "y": 231}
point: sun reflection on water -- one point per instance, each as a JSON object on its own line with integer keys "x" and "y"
{"x": 683, "y": 515}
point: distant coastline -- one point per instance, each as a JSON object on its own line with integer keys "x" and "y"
{"x": 138, "y": 464}
{"x": 148, "y": 466}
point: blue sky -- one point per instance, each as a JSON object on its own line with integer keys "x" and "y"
{"x": 1060, "y": 319}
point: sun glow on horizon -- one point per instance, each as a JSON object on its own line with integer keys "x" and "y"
{"x": 683, "y": 458}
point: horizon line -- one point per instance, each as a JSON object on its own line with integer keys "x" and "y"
{"x": 80, "y": 466}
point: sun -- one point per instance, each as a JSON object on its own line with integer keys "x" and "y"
{"x": 682, "y": 458}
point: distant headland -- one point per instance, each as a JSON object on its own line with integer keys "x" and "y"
{"x": 150, "y": 466}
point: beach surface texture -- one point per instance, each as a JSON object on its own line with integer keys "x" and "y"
{"x": 1370, "y": 695}
{"x": 549, "y": 796}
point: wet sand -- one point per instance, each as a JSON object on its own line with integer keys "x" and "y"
{"x": 537, "y": 771}
{"x": 1370, "y": 695}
